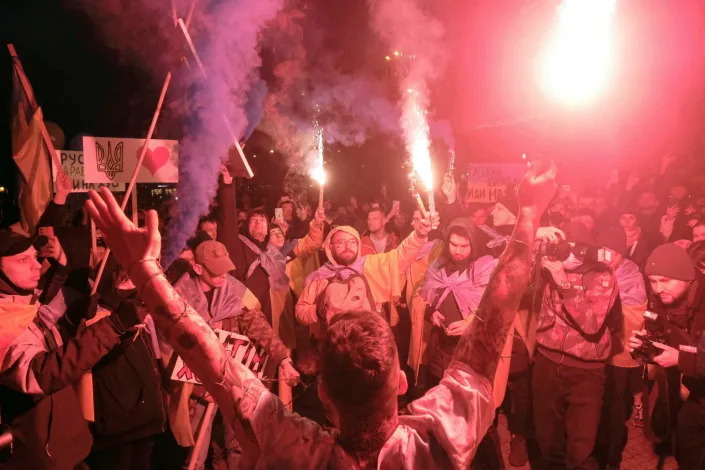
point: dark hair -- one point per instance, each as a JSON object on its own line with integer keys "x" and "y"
{"x": 375, "y": 209}
{"x": 358, "y": 356}
{"x": 460, "y": 231}
{"x": 207, "y": 218}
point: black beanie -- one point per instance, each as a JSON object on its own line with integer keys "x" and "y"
{"x": 671, "y": 261}
{"x": 577, "y": 232}
{"x": 613, "y": 238}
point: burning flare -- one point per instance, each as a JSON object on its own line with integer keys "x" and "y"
{"x": 577, "y": 64}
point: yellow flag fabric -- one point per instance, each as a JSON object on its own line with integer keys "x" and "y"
{"x": 31, "y": 157}
{"x": 14, "y": 319}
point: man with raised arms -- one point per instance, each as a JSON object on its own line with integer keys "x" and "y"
{"x": 360, "y": 374}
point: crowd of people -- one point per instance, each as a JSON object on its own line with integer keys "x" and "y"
{"x": 393, "y": 337}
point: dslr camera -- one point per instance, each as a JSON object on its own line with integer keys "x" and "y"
{"x": 656, "y": 330}
{"x": 561, "y": 251}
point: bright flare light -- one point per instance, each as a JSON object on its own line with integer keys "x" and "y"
{"x": 317, "y": 172}
{"x": 578, "y": 61}
{"x": 418, "y": 143}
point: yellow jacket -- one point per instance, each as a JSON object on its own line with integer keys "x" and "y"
{"x": 382, "y": 272}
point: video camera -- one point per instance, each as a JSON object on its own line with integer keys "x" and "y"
{"x": 656, "y": 330}
{"x": 561, "y": 251}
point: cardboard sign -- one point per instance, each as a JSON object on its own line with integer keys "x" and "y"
{"x": 113, "y": 160}
{"x": 238, "y": 347}
{"x": 491, "y": 182}
{"x": 72, "y": 163}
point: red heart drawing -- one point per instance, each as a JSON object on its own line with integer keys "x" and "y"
{"x": 156, "y": 158}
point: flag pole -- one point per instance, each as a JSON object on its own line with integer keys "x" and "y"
{"x": 231, "y": 132}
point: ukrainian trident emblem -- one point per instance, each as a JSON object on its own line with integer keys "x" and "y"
{"x": 112, "y": 163}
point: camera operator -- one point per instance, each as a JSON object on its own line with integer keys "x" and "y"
{"x": 575, "y": 323}
{"x": 678, "y": 298}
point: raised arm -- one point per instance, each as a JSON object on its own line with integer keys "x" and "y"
{"x": 138, "y": 250}
{"x": 481, "y": 345}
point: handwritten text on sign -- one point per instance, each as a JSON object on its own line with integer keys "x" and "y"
{"x": 491, "y": 182}
{"x": 72, "y": 163}
{"x": 113, "y": 159}
{"x": 238, "y": 347}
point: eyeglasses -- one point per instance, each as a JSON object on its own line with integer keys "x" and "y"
{"x": 342, "y": 243}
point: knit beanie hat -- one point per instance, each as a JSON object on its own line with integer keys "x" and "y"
{"x": 671, "y": 261}
{"x": 613, "y": 238}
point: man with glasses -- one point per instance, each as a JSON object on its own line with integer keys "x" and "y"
{"x": 352, "y": 282}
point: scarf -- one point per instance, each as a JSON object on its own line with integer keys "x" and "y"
{"x": 272, "y": 260}
{"x": 466, "y": 286}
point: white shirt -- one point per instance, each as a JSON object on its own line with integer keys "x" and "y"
{"x": 443, "y": 430}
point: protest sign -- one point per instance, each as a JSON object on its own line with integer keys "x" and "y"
{"x": 238, "y": 347}
{"x": 113, "y": 160}
{"x": 491, "y": 182}
{"x": 72, "y": 163}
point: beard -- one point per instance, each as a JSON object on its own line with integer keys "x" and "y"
{"x": 346, "y": 258}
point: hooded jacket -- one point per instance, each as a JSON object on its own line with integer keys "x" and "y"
{"x": 39, "y": 366}
{"x": 375, "y": 279}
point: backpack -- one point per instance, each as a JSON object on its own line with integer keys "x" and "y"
{"x": 342, "y": 295}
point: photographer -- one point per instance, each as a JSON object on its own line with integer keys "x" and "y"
{"x": 678, "y": 298}
{"x": 575, "y": 323}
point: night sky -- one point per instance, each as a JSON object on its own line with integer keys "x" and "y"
{"x": 655, "y": 103}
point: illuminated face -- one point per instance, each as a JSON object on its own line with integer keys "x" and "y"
{"x": 288, "y": 211}
{"x": 344, "y": 248}
{"x": 23, "y": 269}
{"x": 459, "y": 247}
{"x": 669, "y": 290}
{"x": 258, "y": 227}
{"x": 187, "y": 254}
{"x": 628, "y": 222}
{"x": 679, "y": 192}
{"x": 647, "y": 202}
{"x": 211, "y": 228}
{"x": 586, "y": 203}
{"x": 209, "y": 279}
{"x": 276, "y": 237}
{"x": 480, "y": 217}
{"x": 698, "y": 233}
{"x": 399, "y": 221}
{"x": 375, "y": 221}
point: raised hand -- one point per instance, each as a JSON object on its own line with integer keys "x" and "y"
{"x": 538, "y": 187}
{"x": 320, "y": 215}
{"x": 449, "y": 188}
{"x": 127, "y": 242}
{"x": 63, "y": 187}
{"x": 430, "y": 222}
